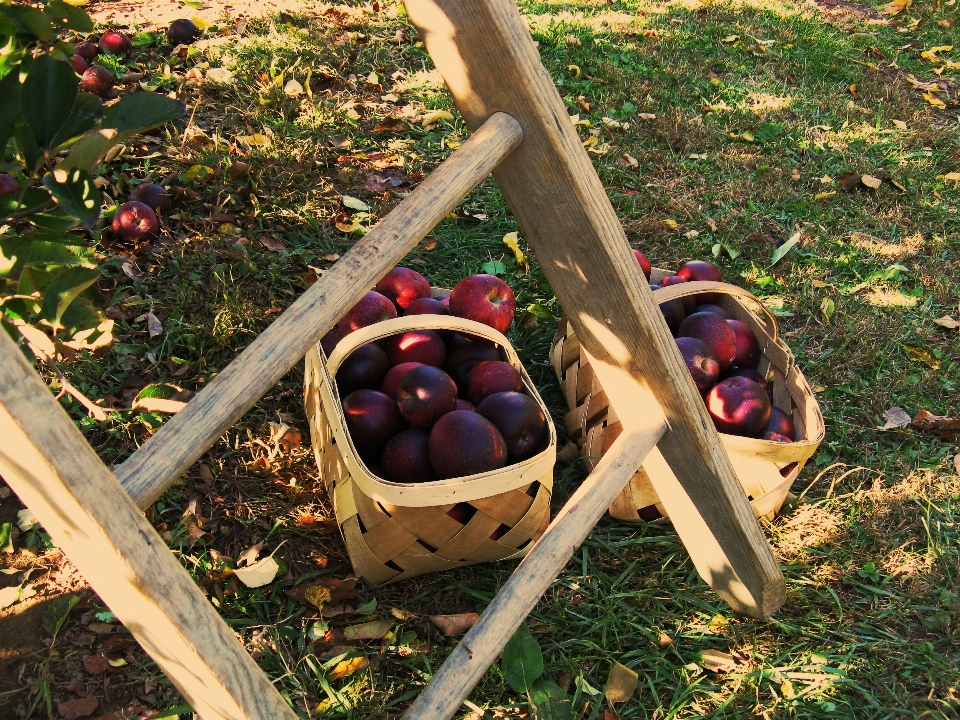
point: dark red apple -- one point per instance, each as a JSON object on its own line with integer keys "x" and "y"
{"x": 97, "y": 80}
{"x": 644, "y": 263}
{"x": 462, "y": 512}
{"x": 87, "y": 50}
{"x": 152, "y": 194}
{"x": 372, "y": 419}
{"x": 463, "y": 358}
{"x": 490, "y": 377}
{"x": 715, "y": 309}
{"x": 716, "y": 331}
{"x": 776, "y": 437}
{"x": 365, "y": 367}
{"x": 781, "y": 423}
{"x": 393, "y": 376}
{"x": 406, "y": 457}
{"x": 115, "y": 43}
{"x": 738, "y": 406}
{"x": 748, "y": 349}
{"x": 672, "y": 311}
{"x": 423, "y": 346}
{"x": 485, "y": 299}
{"x": 79, "y": 64}
{"x": 702, "y": 270}
{"x": 329, "y": 341}
{"x": 8, "y": 184}
{"x": 701, "y": 361}
{"x": 441, "y": 294}
{"x": 403, "y": 286}
{"x": 426, "y": 306}
{"x": 520, "y": 420}
{"x": 465, "y": 443}
{"x": 372, "y": 308}
{"x": 183, "y": 32}
{"x": 425, "y": 394}
{"x": 135, "y": 222}
{"x": 689, "y": 302}
{"x": 749, "y": 373}
{"x": 466, "y": 405}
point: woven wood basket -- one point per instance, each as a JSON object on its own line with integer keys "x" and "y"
{"x": 394, "y": 531}
{"x": 766, "y": 469}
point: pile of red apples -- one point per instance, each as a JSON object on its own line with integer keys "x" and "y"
{"x": 722, "y": 354}
{"x": 424, "y": 405}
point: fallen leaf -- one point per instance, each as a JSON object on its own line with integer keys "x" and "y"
{"x": 348, "y": 667}
{"x": 292, "y": 88}
{"x": 870, "y": 181}
{"x": 512, "y": 241}
{"x": 96, "y": 664}
{"x": 920, "y": 353}
{"x": 931, "y": 54}
{"x": 956, "y": 463}
{"x": 730, "y": 38}
{"x": 937, "y": 424}
{"x": 591, "y": 141}
{"x": 273, "y": 244}
{"x": 953, "y": 177}
{"x": 454, "y": 624}
{"x": 258, "y": 574}
{"x": 647, "y": 116}
{"x": 569, "y": 453}
{"x": 354, "y": 203}
{"x": 153, "y": 325}
{"x": 628, "y": 161}
{"x": 824, "y": 195}
{"x": 896, "y": 418}
{"x": 81, "y": 707}
{"x": 670, "y": 223}
{"x": 323, "y": 591}
{"x": 896, "y": 7}
{"x": 429, "y": 244}
{"x": 716, "y": 660}
{"x": 373, "y": 630}
{"x": 782, "y": 251}
{"x": 827, "y": 308}
{"x": 237, "y": 170}
{"x": 849, "y": 181}
{"x": 621, "y": 684}
{"x": 934, "y": 100}
{"x": 220, "y": 75}
{"x": 321, "y": 526}
{"x": 575, "y": 69}
{"x": 249, "y": 556}
{"x": 948, "y": 322}
{"x": 403, "y": 615}
{"x": 255, "y": 140}
{"x": 664, "y": 640}
{"x": 435, "y": 116}
{"x": 712, "y": 224}
{"x": 11, "y": 595}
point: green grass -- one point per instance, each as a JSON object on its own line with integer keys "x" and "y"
{"x": 744, "y": 152}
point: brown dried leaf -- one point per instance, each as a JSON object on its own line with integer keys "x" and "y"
{"x": 570, "y": 451}
{"x": 237, "y": 170}
{"x": 96, "y": 664}
{"x": 948, "y": 322}
{"x": 896, "y": 418}
{"x": 849, "y": 181}
{"x": 373, "y": 630}
{"x": 349, "y": 667}
{"x": 321, "y": 526}
{"x": 454, "y": 624}
{"x": 937, "y": 424}
{"x": 717, "y": 661}
{"x": 81, "y": 707}
{"x": 621, "y": 684}
{"x": 429, "y": 244}
{"x": 401, "y": 614}
{"x": 871, "y": 181}
{"x": 324, "y": 591}
{"x": 273, "y": 244}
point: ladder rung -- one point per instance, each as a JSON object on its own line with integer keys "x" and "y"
{"x": 463, "y": 668}
{"x": 157, "y": 464}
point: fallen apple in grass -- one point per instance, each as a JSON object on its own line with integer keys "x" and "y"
{"x": 97, "y": 80}
{"x": 465, "y": 443}
{"x": 402, "y": 286}
{"x": 485, "y": 299}
{"x": 152, "y": 194}
{"x": 135, "y": 222}
{"x": 115, "y": 43}
{"x": 87, "y": 50}
{"x": 183, "y": 32}
{"x": 79, "y": 64}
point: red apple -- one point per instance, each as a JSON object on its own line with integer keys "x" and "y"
{"x": 492, "y": 376}
{"x": 781, "y": 423}
{"x": 115, "y": 43}
{"x": 79, "y": 64}
{"x": 403, "y": 286}
{"x": 689, "y": 302}
{"x": 426, "y": 306}
{"x": 372, "y": 308}
{"x": 465, "y": 443}
{"x": 485, "y": 299}
{"x": 156, "y": 196}
{"x": 749, "y": 373}
{"x": 702, "y": 270}
{"x": 365, "y": 367}
{"x": 425, "y": 394}
{"x": 715, "y": 309}
{"x": 183, "y": 32}
{"x": 701, "y": 361}
{"x": 748, "y": 349}
{"x": 87, "y": 50}
{"x": 776, "y": 437}
{"x": 135, "y": 222}
{"x": 716, "y": 331}
{"x": 97, "y": 80}
{"x": 393, "y": 376}
{"x": 520, "y": 420}
{"x": 644, "y": 263}
{"x": 406, "y": 457}
{"x": 464, "y": 357}
{"x": 441, "y": 294}
{"x": 8, "y": 184}
{"x": 329, "y": 341}
{"x": 372, "y": 419}
{"x": 672, "y": 311}
{"x": 738, "y": 406}
{"x": 423, "y": 346}
{"x": 466, "y": 405}
{"x": 462, "y": 512}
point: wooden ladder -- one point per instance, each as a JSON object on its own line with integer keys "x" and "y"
{"x": 523, "y": 134}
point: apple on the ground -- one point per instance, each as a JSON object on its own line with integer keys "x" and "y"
{"x": 87, "y": 50}
{"x": 97, "y": 80}
{"x": 183, "y": 32}
{"x": 79, "y": 64}
{"x": 115, "y": 43}
{"x": 135, "y": 222}
{"x": 152, "y": 194}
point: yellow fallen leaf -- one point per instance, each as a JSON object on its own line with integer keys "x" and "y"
{"x": 621, "y": 684}
{"x": 896, "y": 7}
{"x": 435, "y": 116}
{"x": 511, "y": 240}
{"x": 373, "y": 79}
{"x": 647, "y": 116}
{"x": 953, "y": 177}
{"x": 349, "y": 667}
{"x": 730, "y": 38}
{"x": 870, "y": 181}
{"x": 575, "y": 70}
{"x": 200, "y": 23}
{"x": 934, "y": 100}
{"x": 818, "y": 283}
{"x": 931, "y": 54}
{"x": 948, "y": 322}
{"x": 670, "y": 223}
{"x": 197, "y": 172}
{"x": 824, "y": 195}
{"x": 590, "y": 141}
{"x": 260, "y": 573}
{"x": 352, "y": 114}
{"x": 255, "y": 140}
{"x": 292, "y": 88}
{"x": 900, "y": 124}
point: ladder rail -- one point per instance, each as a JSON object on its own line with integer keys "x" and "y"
{"x": 183, "y": 439}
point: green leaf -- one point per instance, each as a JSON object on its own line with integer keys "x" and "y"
{"x": 13, "y": 253}
{"x": 47, "y": 97}
{"x": 82, "y": 314}
{"x": 36, "y": 22}
{"x": 53, "y": 253}
{"x": 354, "y": 203}
{"x": 9, "y": 108}
{"x": 27, "y": 145}
{"x": 522, "y": 661}
{"x": 769, "y": 132}
{"x": 142, "y": 111}
{"x": 6, "y": 541}
{"x": 76, "y": 193}
{"x": 158, "y": 390}
{"x": 63, "y": 290}
{"x": 781, "y": 251}
{"x": 549, "y": 701}
{"x": 83, "y": 116}
{"x": 143, "y": 40}
{"x": 33, "y": 197}
{"x": 56, "y": 221}
{"x": 922, "y": 354}
{"x": 57, "y": 613}
{"x": 86, "y": 153}
{"x": 70, "y": 17}
{"x": 494, "y": 267}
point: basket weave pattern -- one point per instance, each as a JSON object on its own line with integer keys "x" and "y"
{"x": 392, "y": 531}
{"x": 766, "y": 470}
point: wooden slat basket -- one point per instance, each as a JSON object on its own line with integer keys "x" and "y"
{"x": 766, "y": 469}
{"x": 394, "y": 531}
